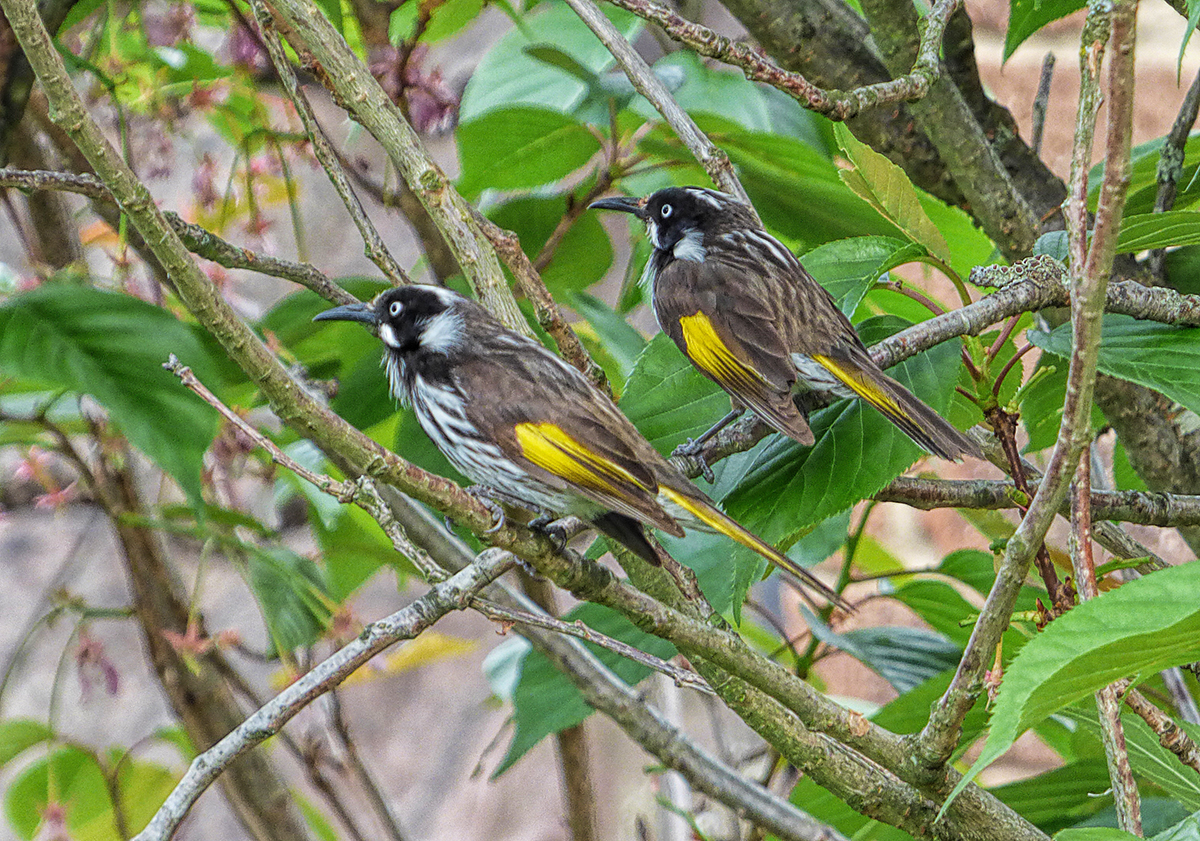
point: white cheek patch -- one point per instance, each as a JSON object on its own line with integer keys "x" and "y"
{"x": 691, "y": 247}
{"x": 388, "y": 336}
{"x": 652, "y": 233}
{"x": 443, "y": 332}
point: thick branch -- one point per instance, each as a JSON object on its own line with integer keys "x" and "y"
{"x": 1148, "y": 509}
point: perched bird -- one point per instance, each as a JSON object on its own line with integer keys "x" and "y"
{"x": 518, "y": 420}
{"x": 740, "y": 306}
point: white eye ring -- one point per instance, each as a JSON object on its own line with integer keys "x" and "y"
{"x": 666, "y": 210}
{"x": 395, "y": 308}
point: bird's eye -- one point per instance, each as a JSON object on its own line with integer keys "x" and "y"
{"x": 666, "y": 211}
{"x": 395, "y": 308}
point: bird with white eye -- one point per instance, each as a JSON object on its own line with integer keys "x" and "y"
{"x": 514, "y": 417}
{"x": 744, "y": 311}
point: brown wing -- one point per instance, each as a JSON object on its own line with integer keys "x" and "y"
{"x": 730, "y": 323}
{"x": 549, "y": 420}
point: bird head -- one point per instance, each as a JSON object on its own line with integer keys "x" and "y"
{"x": 676, "y": 218}
{"x": 409, "y": 319}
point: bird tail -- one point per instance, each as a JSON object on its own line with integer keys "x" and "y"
{"x": 712, "y": 517}
{"x": 899, "y": 405}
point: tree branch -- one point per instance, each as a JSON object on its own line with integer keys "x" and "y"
{"x": 1147, "y": 509}
{"x": 758, "y": 67}
{"x": 1090, "y": 271}
{"x": 348, "y": 79}
{"x": 376, "y": 251}
{"x": 715, "y": 162}
{"x": 453, "y": 594}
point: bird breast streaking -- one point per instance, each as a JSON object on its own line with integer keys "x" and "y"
{"x": 744, "y": 311}
{"x": 512, "y": 416}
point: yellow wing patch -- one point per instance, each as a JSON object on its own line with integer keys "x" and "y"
{"x": 713, "y": 356}
{"x": 864, "y": 388}
{"x": 550, "y": 448}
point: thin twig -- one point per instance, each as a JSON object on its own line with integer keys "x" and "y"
{"x": 680, "y": 676}
{"x": 1141, "y": 507}
{"x": 1040, "y": 103}
{"x": 454, "y": 593}
{"x": 1170, "y": 163}
{"x": 1170, "y": 735}
{"x": 376, "y": 251}
{"x": 550, "y": 317}
{"x": 715, "y": 162}
{"x": 196, "y": 239}
{"x": 1090, "y": 272}
{"x": 759, "y": 67}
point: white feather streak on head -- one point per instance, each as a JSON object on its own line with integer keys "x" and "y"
{"x": 652, "y": 232}
{"x": 443, "y": 332}
{"x": 448, "y": 297}
{"x": 712, "y": 198}
{"x": 691, "y": 247}
{"x": 387, "y": 335}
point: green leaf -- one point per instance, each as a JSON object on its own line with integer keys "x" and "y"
{"x": 885, "y": 186}
{"x": 1193, "y": 18}
{"x": 112, "y": 347}
{"x": 1158, "y": 230}
{"x": 1059, "y": 798}
{"x": 905, "y": 657}
{"x": 142, "y": 787}
{"x": 584, "y": 253}
{"x": 509, "y": 76}
{"x": 71, "y": 778}
{"x": 1094, "y": 833}
{"x": 449, "y": 17}
{"x": 728, "y": 94}
{"x": 544, "y": 700}
{"x": 354, "y": 549}
{"x": 292, "y": 596}
{"x": 1187, "y": 829}
{"x": 1143, "y": 182}
{"x": 1148, "y": 758}
{"x": 19, "y": 735}
{"x": 667, "y": 399}
{"x": 857, "y": 450}
{"x": 1026, "y": 17}
{"x": 795, "y": 187}
{"x": 612, "y": 334}
{"x": 1158, "y": 356}
{"x": 848, "y": 268}
{"x": 521, "y": 147}
{"x": 1138, "y": 628}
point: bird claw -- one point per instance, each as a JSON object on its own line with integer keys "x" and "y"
{"x": 694, "y": 449}
{"x": 555, "y": 534}
{"x": 487, "y": 499}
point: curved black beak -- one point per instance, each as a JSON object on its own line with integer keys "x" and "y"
{"x": 625, "y": 204}
{"x": 360, "y": 312}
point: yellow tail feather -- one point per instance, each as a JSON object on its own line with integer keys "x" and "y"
{"x": 863, "y": 387}
{"x": 717, "y": 520}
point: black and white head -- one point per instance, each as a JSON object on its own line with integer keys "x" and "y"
{"x": 418, "y": 325}
{"x": 410, "y": 319}
{"x": 678, "y": 218}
